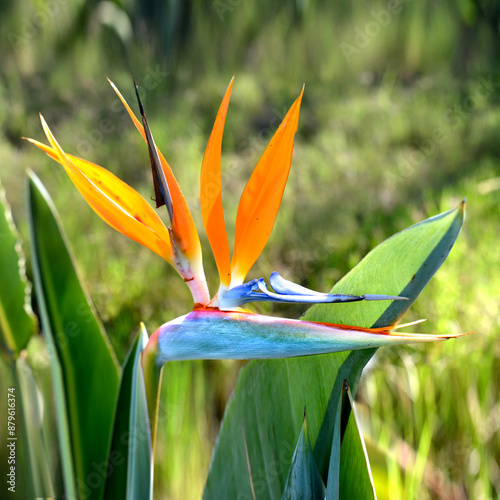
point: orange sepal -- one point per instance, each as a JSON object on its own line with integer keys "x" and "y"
{"x": 261, "y": 198}
{"x": 183, "y": 226}
{"x": 210, "y": 194}
{"x": 115, "y": 202}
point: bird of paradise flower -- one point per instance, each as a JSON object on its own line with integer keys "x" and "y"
{"x": 217, "y": 327}
{"x": 128, "y": 212}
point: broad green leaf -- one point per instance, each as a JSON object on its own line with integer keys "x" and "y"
{"x": 85, "y": 373}
{"x": 17, "y": 322}
{"x": 270, "y": 395}
{"x": 130, "y": 458}
{"x": 303, "y": 479}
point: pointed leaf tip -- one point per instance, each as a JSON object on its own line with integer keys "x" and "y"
{"x": 303, "y": 480}
{"x": 463, "y": 205}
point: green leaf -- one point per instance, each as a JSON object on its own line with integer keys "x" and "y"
{"x": 17, "y": 321}
{"x": 130, "y": 458}
{"x": 85, "y": 374}
{"x": 31, "y": 413}
{"x": 303, "y": 479}
{"x": 349, "y": 474}
{"x": 269, "y": 398}
{"x": 270, "y": 395}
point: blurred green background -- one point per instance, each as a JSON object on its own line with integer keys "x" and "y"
{"x": 400, "y": 120}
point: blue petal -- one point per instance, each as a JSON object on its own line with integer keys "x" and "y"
{"x": 287, "y": 292}
{"x": 281, "y": 285}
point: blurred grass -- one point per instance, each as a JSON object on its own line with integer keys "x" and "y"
{"x": 404, "y": 128}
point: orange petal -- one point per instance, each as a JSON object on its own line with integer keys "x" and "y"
{"x": 183, "y": 226}
{"x": 261, "y": 198}
{"x": 115, "y": 202}
{"x": 210, "y": 195}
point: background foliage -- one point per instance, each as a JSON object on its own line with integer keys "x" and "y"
{"x": 399, "y": 121}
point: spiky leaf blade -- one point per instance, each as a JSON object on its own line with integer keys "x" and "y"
{"x": 85, "y": 373}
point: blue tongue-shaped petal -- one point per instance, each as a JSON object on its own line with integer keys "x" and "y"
{"x": 281, "y": 285}
{"x": 287, "y": 292}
